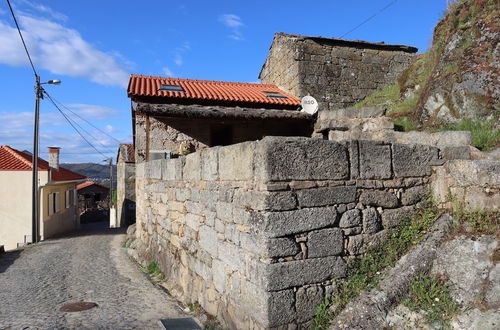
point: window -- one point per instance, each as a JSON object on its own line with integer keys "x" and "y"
{"x": 171, "y": 88}
{"x": 275, "y": 95}
{"x": 54, "y": 204}
{"x": 69, "y": 198}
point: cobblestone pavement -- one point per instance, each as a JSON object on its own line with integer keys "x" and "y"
{"x": 91, "y": 266}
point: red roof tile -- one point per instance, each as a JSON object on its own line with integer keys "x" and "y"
{"x": 90, "y": 183}
{"x": 15, "y": 160}
{"x": 148, "y": 86}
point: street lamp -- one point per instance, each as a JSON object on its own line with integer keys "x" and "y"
{"x": 34, "y": 203}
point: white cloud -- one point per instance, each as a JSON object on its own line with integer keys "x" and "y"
{"x": 31, "y": 7}
{"x": 167, "y": 72}
{"x": 110, "y": 129}
{"x": 234, "y": 22}
{"x": 91, "y": 111}
{"x": 178, "y": 59}
{"x": 231, "y": 20}
{"x": 60, "y": 50}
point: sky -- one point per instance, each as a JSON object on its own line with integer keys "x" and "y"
{"x": 93, "y": 47}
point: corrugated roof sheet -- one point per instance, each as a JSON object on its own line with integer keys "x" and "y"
{"x": 149, "y": 86}
{"x": 15, "y": 160}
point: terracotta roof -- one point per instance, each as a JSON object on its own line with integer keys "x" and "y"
{"x": 15, "y": 160}
{"x": 88, "y": 184}
{"x": 245, "y": 93}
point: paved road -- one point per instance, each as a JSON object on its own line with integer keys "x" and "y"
{"x": 37, "y": 281}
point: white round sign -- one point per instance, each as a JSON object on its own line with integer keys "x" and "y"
{"x": 309, "y": 104}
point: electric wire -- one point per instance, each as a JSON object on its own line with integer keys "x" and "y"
{"x": 74, "y": 113}
{"x": 369, "y": 18}
{"x": 22, "y": 39}
{"x": 76, "y": 129}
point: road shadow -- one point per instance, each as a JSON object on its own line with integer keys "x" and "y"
{"x": 7, "y": 259}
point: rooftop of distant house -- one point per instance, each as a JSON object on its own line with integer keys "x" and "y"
{"x": 350, "y": 43}
{"x": 90, "y": 183}
{"x": 210, "y": 92}
{"x": 15, "y": 160}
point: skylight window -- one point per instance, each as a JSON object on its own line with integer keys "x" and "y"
{"x": 275, "y": 95}
{"x": 171, "y": 88}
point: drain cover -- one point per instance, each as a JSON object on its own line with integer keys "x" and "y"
{"x": 77, "y": 306}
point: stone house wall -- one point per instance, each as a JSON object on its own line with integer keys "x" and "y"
{"x": 125, "y": 192}
{"x": 337, "y": 73}
{"x": 257, "y": 232}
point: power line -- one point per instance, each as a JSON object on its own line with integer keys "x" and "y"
{"x": 369, "y": 18}
{"x": 84, "y": 130}
{"x": 76, "y": 129}
{"x": 97, "y": 128}
{"x": 22, "y": 39}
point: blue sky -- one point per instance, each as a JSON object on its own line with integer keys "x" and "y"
{"x": 92, "y": 46}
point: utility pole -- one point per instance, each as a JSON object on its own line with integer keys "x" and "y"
{"x": 35, "y": 203}
{"x": 34, "y": 163}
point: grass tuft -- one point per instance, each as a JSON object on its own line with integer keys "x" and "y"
{"x": 152, "y": 269}
{"x": 365, "y": 273}
{"x": 485, "y": 134}
{"x": 431, "y": 295}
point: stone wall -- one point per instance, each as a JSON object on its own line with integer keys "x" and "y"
{"x": 475, "y": 184}
{"x": 338, "y": 73}
{"x": 125, "y": 192}
{"x": 257, "y": 232}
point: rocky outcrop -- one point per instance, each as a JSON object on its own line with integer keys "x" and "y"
{"x": 463, "y": 65}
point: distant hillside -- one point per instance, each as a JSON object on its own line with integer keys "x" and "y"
{"x": 94, "y": 172}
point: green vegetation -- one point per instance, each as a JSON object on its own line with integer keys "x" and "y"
{"x": 485, "y": 134}
{"x": 126, "y": 244}
{"x": 365, "y": 273}
{"x": 385, "y": 97}
{"x": 152, "y": 269}
{"x": 431, "y": 295}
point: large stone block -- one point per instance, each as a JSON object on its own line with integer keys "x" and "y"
{"x": 325, "y": 242}
{"x": 414, "y": 195}
{"x": 210, "y": 164}
{"x": 413, "y": 159}
{"x": 283, "y": 275}
{"x": 374, "y": 160}
{"x": 281, "y": 247}
{"x": 392, "y": 218}
{"x": 236, "y": 162}
{"x": 351, "y": 218}
{"x": 172, "y": 169}
{"x": 275, "y": 224}
{"x": 192, "y": 167}
{"x": 208, "y": 240}
{"x": 326, "y": 196}
{"x": 293, "y": 158}
{"x": 371, "y": 221}
{"x": 231, "y": 255}
{"x": 381, "y": 198}
{"x": 262, "y": 200}
{"x": 307, "y": 300}
{"x": 153, "y": 169}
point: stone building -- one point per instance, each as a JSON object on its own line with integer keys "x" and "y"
{"x": 125, "y": 185}
{"x": 337, "y": 72}
{"x": 178, "y": 116}
{"x": 93, "y": 202}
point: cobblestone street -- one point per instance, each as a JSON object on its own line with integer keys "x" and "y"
{"x": 91, "y": 266}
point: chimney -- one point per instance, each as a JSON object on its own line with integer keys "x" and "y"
{"x": 54, "y": 158}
